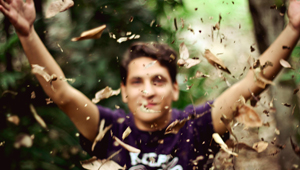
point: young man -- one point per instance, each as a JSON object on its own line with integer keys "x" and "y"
{"x": 156, "y": 86}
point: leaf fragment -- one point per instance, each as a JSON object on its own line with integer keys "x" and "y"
{"x": 296, "y": 148}
{"x": 260, "y": 146}
{"x": 105, "y": 93}
{"x": 260, "y": 80}
{"x": 183, "y": 51}
{"x": 58, "y": 6}
{"x": 213, "y": 60}
{"x": 220, "y": 141}
{"x": 14, "y": 119}
{"x": 126, "y": 133}
{"x": 23, "y": 140}
{"x": 285, "y": 64}
{"x": 94, "y": 33}
{"x": 247, "y": 115}
{"x": 126, "y": 146}
{"x": 175, "y": 126}
{"x": 37, "y": 117}
{"x": 101, "y": 134}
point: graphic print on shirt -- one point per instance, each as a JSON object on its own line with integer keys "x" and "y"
{"x": 161, "y": 161}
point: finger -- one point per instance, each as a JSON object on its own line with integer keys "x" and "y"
{"x": 3, "y": 10}
{"x": 4, "y": 4}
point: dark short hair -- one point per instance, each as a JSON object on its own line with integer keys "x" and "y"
{"x": 164, "y": 54}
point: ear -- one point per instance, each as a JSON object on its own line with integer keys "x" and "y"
{"x": 175, "y": 91}
{"x": 124, "y": 93}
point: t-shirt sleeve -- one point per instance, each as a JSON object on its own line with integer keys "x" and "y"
{"x": 110, "y": 117}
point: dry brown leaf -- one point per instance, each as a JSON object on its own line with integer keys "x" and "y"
{"x": 285, "y": 64}
{"x": 14, "y": 119}
{"x": 126, "y": 146}
{"x": 23, "y": 140}
{"x": 175, "y": 126}
{"x": 94, "y": 33}
{"x": 260, "y": 80}
{"x": 200, "y": 74}
{"x": 260, "y": 146}
{"x": 96, "y": 164}
{"x": 105, "y": 93}
{"x": 58, "y": 6}
{"x": 37, "y": 117}
{"x": 190, "y": 62}
{"x": 126, "y": 133}
{"x": 183, "y": 51}
{"x": 101, "y": 134}
{"x": 37, "y": 69}
{"x": 246, "y": 114}
{"x": 220, "y": 141}
{"x": 32, "y": 95}
{"x": 213, "y": 60}
{"x": 296, "y": 148}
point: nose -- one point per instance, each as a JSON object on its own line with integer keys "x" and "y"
{"x": 148, "y": 90}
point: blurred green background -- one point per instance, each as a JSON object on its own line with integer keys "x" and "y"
{"x": 94, "y": 65}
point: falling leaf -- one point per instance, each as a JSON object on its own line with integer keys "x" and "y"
{"x": 105, "y": 93}
{"x": 94, "y": 33}
{"x": 96, "y": 164}
{"x": 183, "y": 51}
{"x": 175, "y": 24}
{"x": 252, "y": 48}
{"x": 126, "y": 133}
{"x": 296, "y": 91}
{"x": 245, "y": 114}
{"x": 277, "y": 131}
{"x": 14, "y": 119}
{"x": 150, "y": 64}
{"x": 32, "y": 96}
{"x": 286, "y": 47}
{"x": 260, "y": 80}
{"x": 191, "y": 62}
{"x": 199, "y": 158}
{"x": 273, "y": 6}
{"x": 120, "y": 120}
{"x": 220, "y": 141}
{"x": 58, "y": 6}
{"x": 295, "y": 147}
{"x": 48, "y": 100}
{"x": 126, "y": 146}
{"x": 101, "y": 133}
{"x": 200, "y": 74}
{"x": 10, "y": 92}
{"x": 36, "y": 69}
{"x": 260, "y": 146}
{"x": 23, "y": 140}
{"x": 122, "y": 39}
{"x": 213, "y": 60}
{"x": 286, "y": 104}
{"x": 175, "y": 126}
{"x": 285, "y": 64}
{"x": 37, "y": 117}
{"x": 152, "y": 22}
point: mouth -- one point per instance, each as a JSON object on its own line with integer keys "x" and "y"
{"x": 146, "y": 107}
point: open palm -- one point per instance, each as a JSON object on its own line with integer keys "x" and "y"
{"x": 21, "y": 14}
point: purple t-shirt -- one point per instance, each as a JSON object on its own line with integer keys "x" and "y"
{"x": 176, "y": 152}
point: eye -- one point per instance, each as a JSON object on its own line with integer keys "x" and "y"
{"x": 158, "y": 81}
{"x": 135, "y": 82}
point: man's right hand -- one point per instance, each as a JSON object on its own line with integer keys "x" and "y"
{"x": 21, "y": 14}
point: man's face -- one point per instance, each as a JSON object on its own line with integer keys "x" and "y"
{"x": 149, "y": 91}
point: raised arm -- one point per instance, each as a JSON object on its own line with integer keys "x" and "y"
{"x": 76, "y": 105}
{"x": 288, "y": 37}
